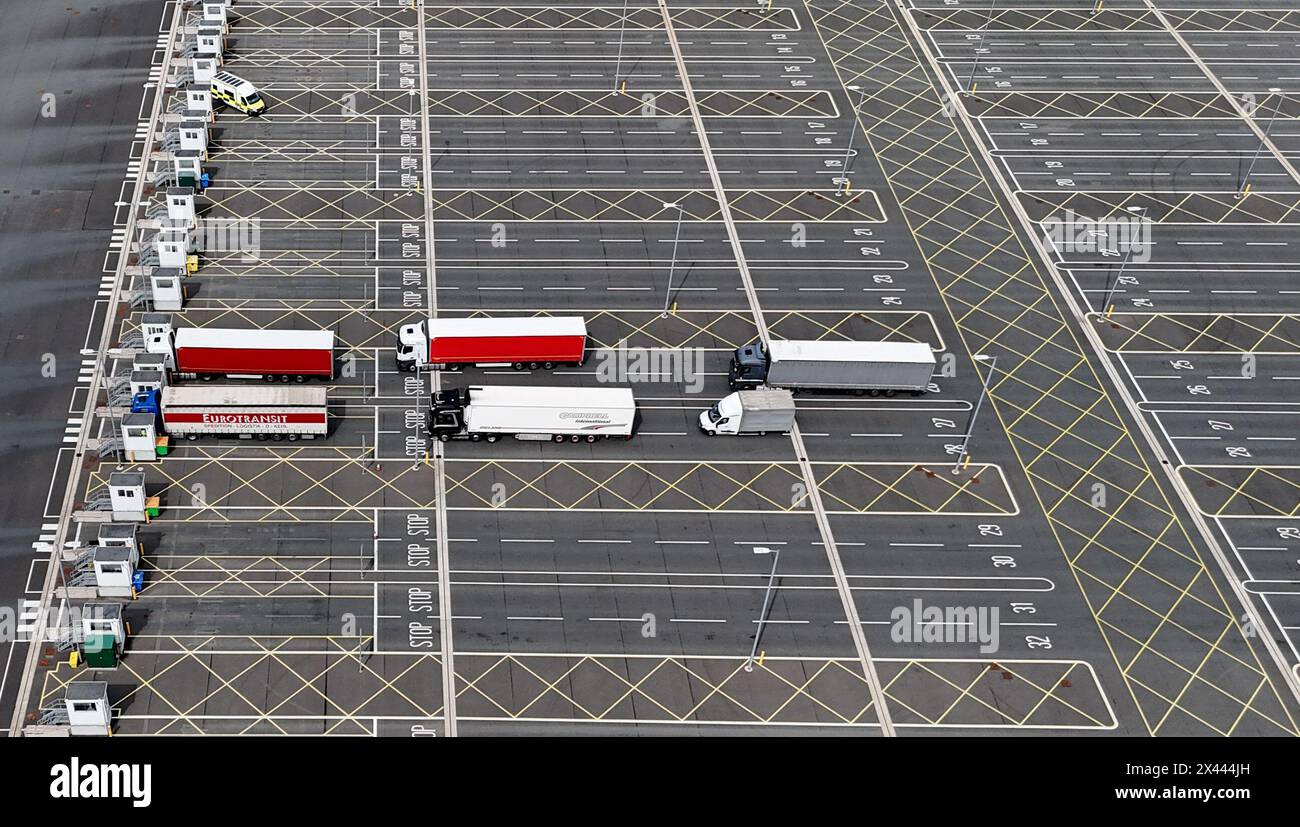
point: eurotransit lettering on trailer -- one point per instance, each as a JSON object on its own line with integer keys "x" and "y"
{"x": 77, "y": 780}
{"x": 244, "y": 419}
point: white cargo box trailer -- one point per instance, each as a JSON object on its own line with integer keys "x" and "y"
{"x": 250, "y": 411}
{"x": 575, "y": 414}
{"x": 829, "y": 365}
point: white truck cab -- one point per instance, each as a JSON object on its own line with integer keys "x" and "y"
{"x": 412, "y": 347}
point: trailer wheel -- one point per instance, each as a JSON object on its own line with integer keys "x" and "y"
{"x": 277, "y": 437}
{"x": 518, "y": 366}
{"x": 207, "y": 377}
{"x": 558, "y": 437}
{"x": 268, "y": 377}
{"x": 918, "y": 393}
{"x": 575, "y": 438}
{"x": 874, "y": 392}
{"x": 574, "y": 364}
{"x": 260, "y": 437}
{"x": 444, "y": 437}
{"x": 891, "y": 393}
{"x": 493, "y": 437}
{"x": 532, "y": 366}
{"x": 293, "y": 437}
{"x": 591, "y": 437}
{"x": 300, "y": 379}
{"x": 284, "y": 378}
{"x": 548, "y": 365}
{"x": 858, "y": 391}
{"x": 192, "y": 437}
{"x": 475, "y": 437}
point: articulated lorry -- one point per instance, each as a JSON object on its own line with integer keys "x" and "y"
{"x": 862, "y": 367}
{"x": 533, "y": 413}
{"x": 453, "y": 344}
{"x": 243, "y": 411}
{"x": 758, "y": 411}
{"x": 273, "y": 355}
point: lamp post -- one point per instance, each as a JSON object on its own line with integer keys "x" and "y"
{"x": 1128, "y": 254}
{"x": 767, "y": 597}
{"x": 618, "y": 63}
{"x": 1245, "y": 181}
{"x": 970, "y": 423}
{"x": 979, "y": 48}
{"x": 672, "y": 266}
{"x": 853, "y": 134}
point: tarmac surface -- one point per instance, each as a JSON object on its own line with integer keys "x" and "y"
{"x": 62, "y": 162}
{"x": 690, "y": 178}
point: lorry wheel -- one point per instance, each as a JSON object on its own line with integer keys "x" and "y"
{"x": 858, "y": 391}
{"x": 918, "y": 393}
{"x": 874, "y": 392}
{"x": 475, "y": 437}
{"x": 575, "y": 364}
{"x": 192, "y": 437}
{"x": 207, "y": 377}
{"x": 493, "y": 437}
{"x": 260, "y": 437}
{"x": 293, "y": 437}
{"x": 444, "y": 437}
{"x": 710, "y": 433}
{"x": 278, "y": 437}
{"x": 891, "y": 393}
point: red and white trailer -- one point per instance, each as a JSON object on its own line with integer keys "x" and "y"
{"x": 528, "y": 342}
{"x": 273, "y": 355}
{"x": 244, "y": 411}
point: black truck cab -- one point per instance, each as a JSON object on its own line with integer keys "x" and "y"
{"x": 748, "y": 367}
{"x": 447, "y": 416}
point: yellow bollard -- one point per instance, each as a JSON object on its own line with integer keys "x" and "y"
{"x": 674, "y": 308}
{"x": 761, "y": 656}
{"x": 72, "y": 659}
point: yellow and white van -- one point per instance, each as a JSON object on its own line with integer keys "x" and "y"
{"x": 237, "y": 92}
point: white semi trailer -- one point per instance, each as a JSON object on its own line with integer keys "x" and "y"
{"x": 533, "y": 413}
{"x": 861, "y": 367}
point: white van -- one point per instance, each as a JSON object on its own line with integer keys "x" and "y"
{"x": 237, "y": 92}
